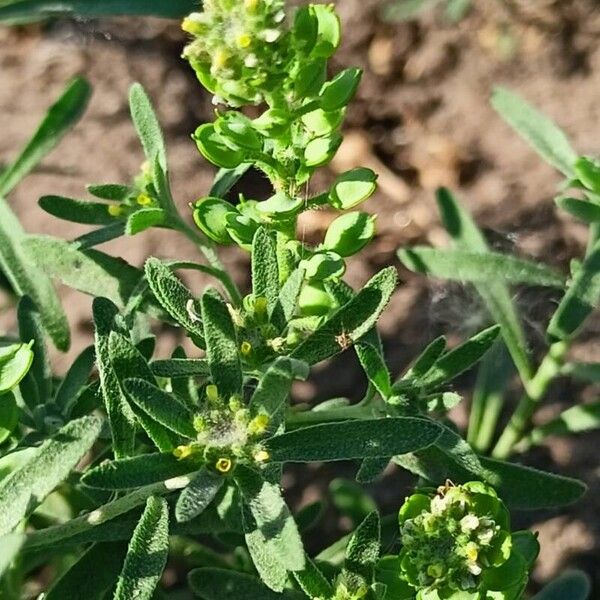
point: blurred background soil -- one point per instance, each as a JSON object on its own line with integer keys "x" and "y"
{"x": 421, "y": 119}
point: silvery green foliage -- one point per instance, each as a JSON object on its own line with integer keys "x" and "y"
{"x": 131, "y": 458}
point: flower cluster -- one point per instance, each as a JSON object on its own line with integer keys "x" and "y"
{"x": 453, "y": 539}
{"x": 239, "y": 50}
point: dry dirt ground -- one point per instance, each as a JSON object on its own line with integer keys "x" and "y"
{"x": 421, "y": 118}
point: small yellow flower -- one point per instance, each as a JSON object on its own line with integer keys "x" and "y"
{"x": 220, "y": 59}
{"x": 182, "y": 452}
{"x": 251, "y": 5}
{"x": 212, "y": 393}
{"x": 244, "y": 40}
{"x": 115, "y": 210}
{"x": 246, "y": 348}
{"x": 472, "y": 551}
{"x": 223, "y": 465}
{"x": 258, "y": 425}
{"x": 144, "y": 200}
{"x": 261, "y": 456}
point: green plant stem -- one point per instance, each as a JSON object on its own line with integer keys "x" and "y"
{"x": 549, "y": 369}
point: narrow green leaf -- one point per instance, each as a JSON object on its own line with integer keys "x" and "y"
{"x": 216, "y": 584}
{"x": 9, "y": 414}
{"x": 120, "y": 416}
{"x": 175, "y": 298}
{"x": 161, "y": 406}
{"x": 226, "y": 179}
{"x": 143, "y": 219}
{"x": 195, "y": 498}
{"x": 100, "y": 236}
{"x": 26, "y": 11}
{"x": 271, "y": 533}
{"x": 571, "y": 585}
{"x": 147, "y": 553}
{"x": 129, "y": 473}
{"x": 89, "y": 271}
{"x": 180, "y": 367}
{"x": 11, "y": 545}
{"x": 460, "y": 359}
{"x": 24, "y": 489}
{"x": 425, "y": 361}
{"x": 349, "y": 440}
{"x": 92, "y": 576}
{"x": 265, "y": 271}
{"x": 75, "y": 379}
{"x": 372, "y": 468}
{"x": 286, "y": 304}
{"x": 537, "y": 129}
{"x": 58, "y": 120}
{"x": 362, "y": 553}
{"x": 477, "y": 267}
{"x": 313, "y": 582}
{"x": 580, "y": 299}
{"x": 77, "y": 211}
{"x": 495, "y": 295}
{"x": 589, "y": 212}
{"x": 110, "y": 191}
{"x": 28, "y": 280}
{"x": 221, "y": 346}
{"x": 31, "y": 329}
{"x": 350, "y": 322}
{"x": 147, "y": 126}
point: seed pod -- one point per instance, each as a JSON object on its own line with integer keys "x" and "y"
{"x": 321, "y": 150}
{"x": 210, "y": 215}
{"x": 353, "y": 187}
{"x": 350, "y": 233}
{"x": 588, "y": 172}
{"x": 319, "y": 122}
{"x": 215, "y": 149}
{"x": 280, "y": 206}
{"x": 329, "y": 30}
{"x": 338, "y": 92}
{"x": 238, "y": 132}
{"x": 314, "y": 300}
{"x": 323, "y": 266}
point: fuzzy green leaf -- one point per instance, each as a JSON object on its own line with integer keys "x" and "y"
{"x": 143, "y": 219}
{"x": 175, "y": 298}
{"x": 77, "y": 211}
{"x": 75, "y": 379}
{"x": 226, "y": 179}
{"x": 580, "y": 299}
{"x": 89, "y": 271}
{"x": 349, "y": 440}
{"x": 24, "y": 489}
{"x": 216, "y": 584}
{"x": 271, "y": 533}
{"x": 110, "y": 191}
{"x": 58, "y": 120}
{"x": 28, "y": 280}
{"x": 221, "y": 346}
{"x": 100, "y": 236}
{"x": 180, "y": 367}
{"x": 362, "y": 553}
{"x": 460, "y": 359}
{"x": 350, "y": 322}
{"x": 287, "y": 301}
{"x": 477, "y": 267}
{"x": 372, "y": 468}
{"x": 537, "y": 129}
{"x": 164, "y": 408}
{"x": 92, "y": 576}
{"x": 129, "y": 473}
{"x": 425, "y": 361}
{"x": 200, "y": 492}
{"x": 313, "y": 582}
{"x": 571, "y": 585}
{"x": 9, "y": 414}
{"x": 265, "y": 271}
{"x": 147, "y": 553}
{"x": 147, "y": 126}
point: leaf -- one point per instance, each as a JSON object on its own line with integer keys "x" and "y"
{"x": 161, "y": 407}
{"x": 226, "y": 179}
{"x": 143, "y": 219}
{"x": 89, "y": 271}
{"x": 287, "y": 301}
{"x": 200, "y": 492}
{"x": 265, "y": 271}
{"x": 24, "y": 489}
{"x": 77, "y": 211}
{"x": 92, "y": 576}
{"x": 425, "y": 361}
{"x": 362, "y": 553}
{"x": 147, "y": 126}
{"x": 350, "y": 440}
{"x": 180, "y": 367}
{"x": 537, "y": 129}
{"x": 372, "y": 468}
{"x": 110, "y": 191}
{"x": 477, "y": 267}
{"x": 120, "y": 416}
{"x": 579, "y": 300}
{"x": 373, "y": 362}
{"x": 571, "y": 585}
{"x": 495, "y": 295}
{"x": 313, "y": 582}
{"x": 100, "y": 236}
{"x": 271, "y": 533}
{"x": 58, "y": 120}
{"x": 147, "y": 553}
{"x": 130, "y": 473}
{"x": 589, "y": 212}
{"x": 460, "y": 359}
{"x": 11, "y": 545}
{"x": 28, "y": 280}
{"x": 221, "y": 346}
{"x": 9, "y": 415}
{"x": 216, "y": 584}
{"x": 352, "y": 321}
{"x": 175, "y": 298}
{"x": 25, "y": 11}
{"x": 75, "y": 379}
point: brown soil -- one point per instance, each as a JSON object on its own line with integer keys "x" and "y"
{"x": 422, "y": 118}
